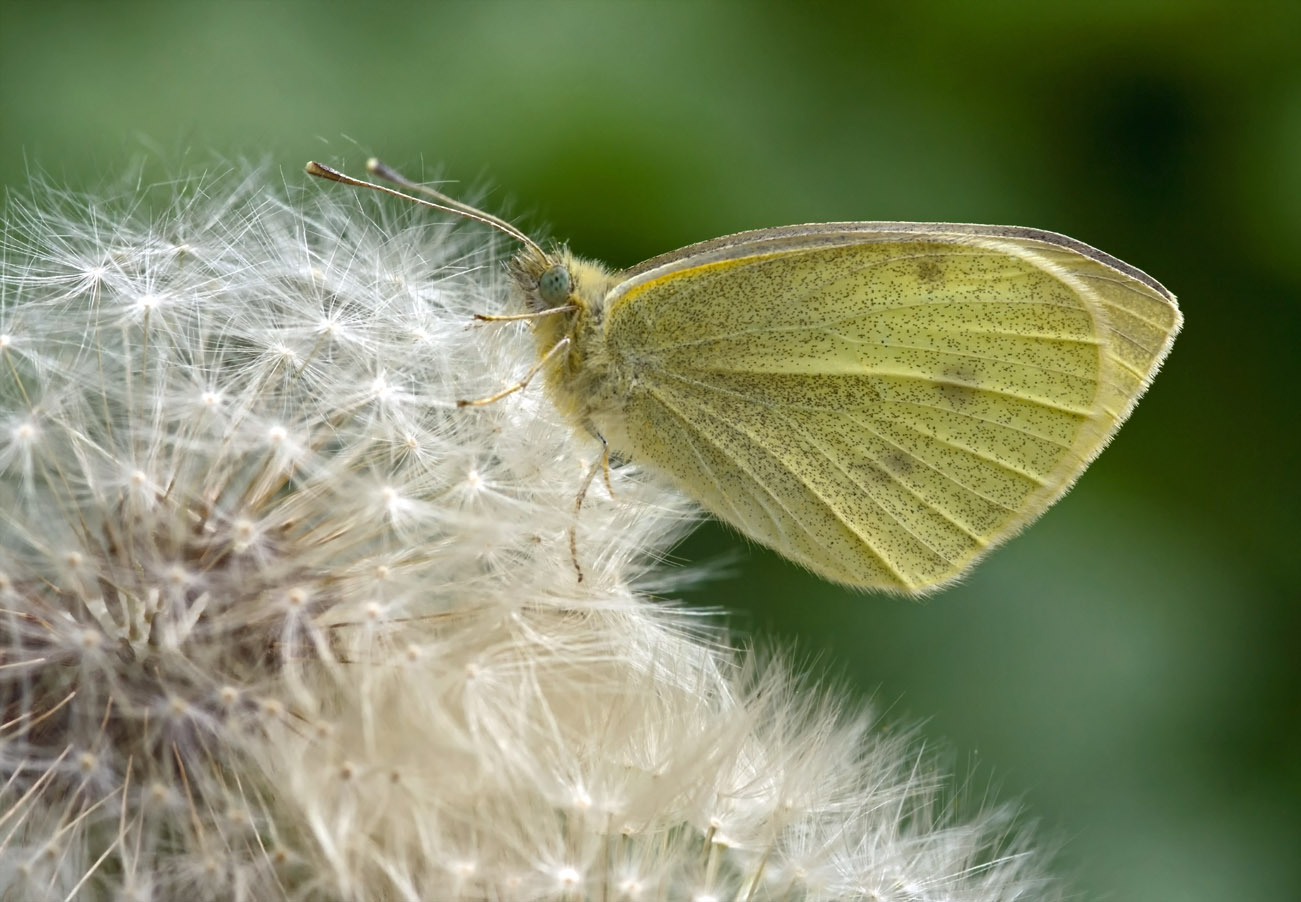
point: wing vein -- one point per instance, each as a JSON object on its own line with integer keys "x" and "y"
{"x": 708, "y": 468}
{"x": 967, "y": 354}
{"x": 679, "y": 377}
{"x": 972, "y": 451}
{"x": 974, "y": 418}
{"x": 868, "y": 492}
{"x": 864, "y": 314}
{"x": 823, "y": 502}
{"x": 812, "y": 409}
{"x": 866, "y": 424}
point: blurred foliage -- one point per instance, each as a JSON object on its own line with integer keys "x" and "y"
{"x": 1129, "y": 666}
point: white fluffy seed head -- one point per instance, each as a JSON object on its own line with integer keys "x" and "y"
{"x": 280, "y": 620}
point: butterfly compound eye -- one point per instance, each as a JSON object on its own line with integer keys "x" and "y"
{"x": 554, "y": 285}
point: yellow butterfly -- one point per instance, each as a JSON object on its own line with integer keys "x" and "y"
{"x": 882, "y": 402}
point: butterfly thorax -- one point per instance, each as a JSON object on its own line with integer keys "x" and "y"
{"x": 580, "y": 379}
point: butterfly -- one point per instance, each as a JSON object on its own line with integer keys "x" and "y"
{"x": 880, "y": 402}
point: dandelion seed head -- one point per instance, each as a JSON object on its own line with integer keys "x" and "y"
{"x": 280, "y": 619}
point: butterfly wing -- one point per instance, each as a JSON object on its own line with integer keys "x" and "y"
{"x": 882, "y": 402}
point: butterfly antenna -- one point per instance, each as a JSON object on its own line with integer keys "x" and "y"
{"x": 441, "y": 202}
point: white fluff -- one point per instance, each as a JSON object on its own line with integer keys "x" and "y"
{"x": 279, "y": 621}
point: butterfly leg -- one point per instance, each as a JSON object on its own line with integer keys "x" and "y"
{"x": 605, "y": 458}
{"x": 604, "y": 467}
{"x": 517, "y": 317}
{"x": 510, "y": 390}
{"x": 578, "y": 506}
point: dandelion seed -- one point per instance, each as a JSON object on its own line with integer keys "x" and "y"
{"x": 146, "y": 303}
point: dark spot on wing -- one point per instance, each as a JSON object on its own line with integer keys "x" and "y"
{"x": 898, "y": 463}
{"x": 957, "y": 385}
{"x": 928, "y": 271}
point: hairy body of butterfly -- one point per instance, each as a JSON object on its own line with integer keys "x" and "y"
{"x": 880, "y": 402}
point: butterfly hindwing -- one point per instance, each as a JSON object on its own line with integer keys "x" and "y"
{"x": 882, "y": 406}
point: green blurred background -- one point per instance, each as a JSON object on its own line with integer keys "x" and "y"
{"x": 1129, "y": 666}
